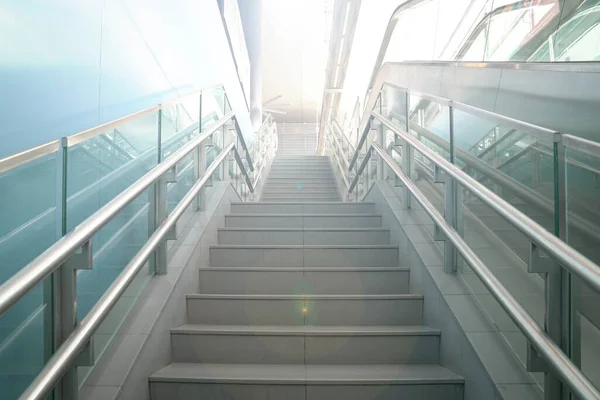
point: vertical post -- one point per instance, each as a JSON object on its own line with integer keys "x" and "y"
{"x": 563, "y": 291}
{"x": 369, "y": 170}
{"x": 226, "y": 141}
{"x": 407, "y": 156}
{"x": 455, "y": 205}
{"x": 450, "y": 216}
{"x": 535, "y": 168}
{"x": 53, "y": 329}
{"x": 200, "y": 165}
{"x": 153, "y": 192}
{"x": 161, "y": 205}
{"x": 380, "y": 143}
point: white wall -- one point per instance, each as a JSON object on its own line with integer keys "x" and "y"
{"x": 68, "y": 65}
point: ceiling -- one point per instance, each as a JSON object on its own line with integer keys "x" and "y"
{"x": 294, "y": 55}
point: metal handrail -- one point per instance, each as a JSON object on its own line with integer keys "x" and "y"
{"x": 566, "y": 256}
{"x": 50, "y": 260}
{"x": 583, "y": 145}
{"x": 66, "y": 354}
{"x": 495, "y": 175}
{"x": 26, "y": 156}
{"x": 16, "y": 160}
{"x": 561, "y": 364}
{"x": 537, "y": 130}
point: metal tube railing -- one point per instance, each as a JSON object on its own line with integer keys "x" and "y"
{"x": 66, "y": 354}
{"x": 564, "y": 254}
{"x": 51, "y": 259}
{"x": 560, "y": 363}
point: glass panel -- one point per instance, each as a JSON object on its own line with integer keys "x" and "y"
{"x": 26, "y": 337}
{"x": 95, "y": 176}
{"x": 522, "y": 165}
{"x": 177, "y": 124}
{"x": 583, "y": 202}
{"x": 27, "y": 212}
{"x": 393, "y": 105}
{"x": 502, "y": 248}
{"x": 113, "y": 248}
{"x": 430, "y": 123}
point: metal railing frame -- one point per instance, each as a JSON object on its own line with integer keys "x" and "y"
{"x": 541, "y": 239}
{"x": 556, "y": 359}
{"x": 74, "y": 250}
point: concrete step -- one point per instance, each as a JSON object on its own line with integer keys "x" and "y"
{"x": 299, "y": 280}
{"x": 275, "y": 191}
{"x": 299, "y": 236}
{"x": 300, "y": 164}
{"x": 304, "y": 181}
{"x": 333, "y": 345}
{"x": 297, "y": 185}
{"x": 303, "y": 208}
{"x": 303, "y": 256}
{"x": 317, "y": 220}
{"x": 300, "y": 169}
{"x": 181, "y": 381}
{"x": 294, "y": 198}
{"x": 300, "y": 175}
{"x": 329, "y": 310}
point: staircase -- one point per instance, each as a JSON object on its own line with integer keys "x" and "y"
{"x": 304, "y": 300}
{"x": 300, "y": 178}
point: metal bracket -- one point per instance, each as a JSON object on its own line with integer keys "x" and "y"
{"x": 439, "y": 176}
{"x": 438, "y": 235}
{"x": 539, "y": 262}
{"x": 171, "y": 175}
{"x": 535, "y": 363}
{"x": 82, "y": 258}
{"x": 86, "y": 358}
{"x": 172, "y": 233}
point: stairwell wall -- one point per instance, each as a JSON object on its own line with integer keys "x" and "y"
{"x": 70, "y": 65}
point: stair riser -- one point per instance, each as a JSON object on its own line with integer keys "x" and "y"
{"x": 303, "y": 257}
{"x": 308, "y": 349}
{"x": 299, "y": 281}
{"x": 280, "y": 237}
{"x": 294, "y": 198}
{"x": 287, "y": 187}
{"x": 302, "y": 193}
{"x": 299, "y": 176}
{"x": 319, "y": 312}
{"x": 216, "y": 391}
{"x": 236, "y": 221}
{"x": 299, "y": 188}
{"x": 307, "y": 166}
{"x": 293, "y": 183}
{"x": 341, "y": 208}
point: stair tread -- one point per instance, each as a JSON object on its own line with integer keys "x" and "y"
{"x": 405, "y": 296}
{"x": 307, "y": 374}
{"x": 311, "y": 330}
{"x": 340, "y": 203}
{"x": 301, "y": 215}
{"x": 305, "y": 229}
{"x": 303, "y": 246}
{"x": 308, "y": 269}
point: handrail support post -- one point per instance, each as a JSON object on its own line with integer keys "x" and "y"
{"x": 451, "y": 215}
{"x": 378, "y": 126}
{"x": 67, "y": 313}
{"x": 161, "y": 214}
